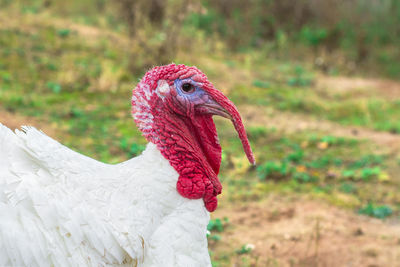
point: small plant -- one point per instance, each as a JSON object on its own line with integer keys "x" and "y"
{"x": 275, "y": 170}
{"x": 368, "y": 173}
{"x": 296, "y": 156}
{"x": 300, "y": 78}
{"x": 347, "y": 173}
{"x": 319, "y": 163}
{"x": 245, "y": 249}
{"x": 323, "y": 189}
{"x": 261, "y": 84}
{"x": 217, "y": 225}
{"x": 54, "y": 87}
{"x": 75, "y": 112}
{"x": 215, "y": 237}
{"x": 332, "y": 140}
{"x": 63, "y": 32}
{"x": 368, "y": 160}
{"x": 303, "y": 177}
{"x": 136, "y": 149}
{"x": 313, "y": 36}
{"x": 372, "y": 210}
{"x": 5, "y": 76}
{"x": 298, "y": 81}
{"x": 348, "y": 188}
{"x": 51, "y": 66}
{"x": 257, "y": 132}
{"x": 133, "y": 149}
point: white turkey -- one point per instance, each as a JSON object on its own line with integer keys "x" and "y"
{"x": 61, "y": 208}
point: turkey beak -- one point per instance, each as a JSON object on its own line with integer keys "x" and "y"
{"x": 222, "y": 106}
{"x": 214, "y": 108}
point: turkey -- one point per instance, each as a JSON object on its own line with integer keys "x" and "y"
{"x": 61, "y": 208}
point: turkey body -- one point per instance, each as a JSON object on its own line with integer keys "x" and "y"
{"x": 60, "y": 208}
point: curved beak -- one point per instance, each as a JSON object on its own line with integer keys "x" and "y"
{"x": 214, "y": 108}
{"x": 220, "y": 105}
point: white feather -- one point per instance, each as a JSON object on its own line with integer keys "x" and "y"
{"x": 61, "y": 208}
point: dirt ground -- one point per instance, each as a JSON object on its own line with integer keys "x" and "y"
{"x": 340, "y": 84}
{"x": 15, "y": 121}
{"x": 292, "y": 123}
{"x": 301, "y": 232}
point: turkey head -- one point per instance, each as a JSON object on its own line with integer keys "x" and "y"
{"x": 173, "y": 106}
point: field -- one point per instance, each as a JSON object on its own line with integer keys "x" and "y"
{"x": 325, "y": 191}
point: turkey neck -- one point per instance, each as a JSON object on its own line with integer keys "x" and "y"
{"x": 191, "y": 146}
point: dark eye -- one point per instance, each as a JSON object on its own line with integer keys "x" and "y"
{"x": 188, "y": 88}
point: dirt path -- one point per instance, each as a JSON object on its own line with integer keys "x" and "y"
{"x": 292, "y": 123}
{"x": 340, "y": 84}
{"x": 299, "y": 232}
{"x": 15, "y": 121}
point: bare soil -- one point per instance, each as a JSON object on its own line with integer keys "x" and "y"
{"x": 15, "y": 121}
{"x": 386, "y": 88}
{"x": 287, "y": 122}
{"x": 297, "y": 231}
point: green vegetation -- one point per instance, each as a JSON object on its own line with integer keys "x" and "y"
{"x": 217, "y": 225}
{"x": 245, "y": 249}
{"x": 380, "y": 212}
{"x": 324, "y": 166}
{"x": 368, "y": 107}
{"x": 74, "y": 71}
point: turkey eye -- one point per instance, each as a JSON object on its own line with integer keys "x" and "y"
{"x": 188, "y": 88}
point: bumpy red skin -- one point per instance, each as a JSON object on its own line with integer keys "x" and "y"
{"x": 178, "y": 144}
{"x": 187, "y": 139}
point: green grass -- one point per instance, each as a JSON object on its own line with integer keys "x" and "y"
{"x": 82, "y": 87}
{"x": 290, "y": 88}
{"x": 322, "y": 166}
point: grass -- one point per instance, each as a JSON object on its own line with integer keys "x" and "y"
{"x": 323, "y": 166}
{"x": 291, "y": 88}
{"x": 83, "y": 87}
{"x": 54, "y": 74}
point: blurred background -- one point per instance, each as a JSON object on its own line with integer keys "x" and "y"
{"x": 317, "y": 83}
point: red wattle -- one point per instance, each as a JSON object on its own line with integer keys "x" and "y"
{"x": 190, "y": 151}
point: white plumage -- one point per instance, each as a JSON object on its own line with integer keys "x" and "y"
{"x": 60, "y": 208}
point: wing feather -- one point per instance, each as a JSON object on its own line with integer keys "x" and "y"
{"x": 50, "y": 206}
{"x": 55, "y": 157}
